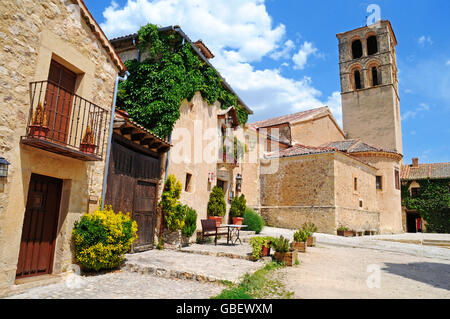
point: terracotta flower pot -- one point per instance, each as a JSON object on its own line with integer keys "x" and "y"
{"x": 217, "y": 219}
{"x": 299, "y": 246}
{"x": 346, "y": 233}
{"x": 38, "y": 131}
{"x": 265, "y": 250}
{"x": 311, "y": 242}
{"x": 288, "y": 258}
{"x": 238, "y": 221}
{"x": 88, "y": 148}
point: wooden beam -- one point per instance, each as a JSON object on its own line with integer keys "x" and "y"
{"x": 147, "y": 141}
{"x": 137, "y": 136}
{"x": 127, "y": 130}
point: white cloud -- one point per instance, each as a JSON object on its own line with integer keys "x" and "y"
{"x": 284, "y": 53}
{"x": 425, "y": 40}
{"x": 301, "y": 57}
{"x": 238, "y": 32}
{"x": 447, "y": 63}
{"x": 423, "y": 107}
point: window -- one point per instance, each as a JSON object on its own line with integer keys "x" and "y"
{"x": 188, "y": 186}
{"x": 415, "y": 192}
{"x": 358, "y": 83}
{"x": 397, "y": 179}
{"x": 379, "y": 183}
{"x": 372, "y": 45}
{"x": 355, "y": 184}
{"x": 357, "y": 51}
{"x": 375, "y": 80}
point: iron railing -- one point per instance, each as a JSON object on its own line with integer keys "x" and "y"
{"x": 64, "y": 122}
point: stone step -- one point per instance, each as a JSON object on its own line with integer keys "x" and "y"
{"x": 176, "y": 264}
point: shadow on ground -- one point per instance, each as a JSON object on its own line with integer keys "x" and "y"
{"x": 434, "y": 274}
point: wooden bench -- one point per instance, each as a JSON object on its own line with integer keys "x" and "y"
{"x": 209, "y": 228}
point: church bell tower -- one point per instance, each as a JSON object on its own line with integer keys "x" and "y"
{"x": 369, "y": 85}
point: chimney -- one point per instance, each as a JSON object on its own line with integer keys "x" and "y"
{"x": 415, "y": 162}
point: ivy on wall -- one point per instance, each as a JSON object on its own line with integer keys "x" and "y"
{"x": 170, "y": 73}
{"x": 433, "y": 203}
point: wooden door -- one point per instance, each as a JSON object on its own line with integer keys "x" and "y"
{"x": 59, "y": 98}
{"x": 39, "y": 227}
{"x": 144, "y": 212}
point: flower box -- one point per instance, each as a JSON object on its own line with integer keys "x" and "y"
{"x": 288, "y": 258}
{"x": 299, "y": 246}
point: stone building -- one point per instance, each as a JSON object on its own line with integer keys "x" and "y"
{"x": 198, "y": 166}
{"x": 340, "y": 177}
{"x": 412, "y": 176}
{"x": 57, "y": 79}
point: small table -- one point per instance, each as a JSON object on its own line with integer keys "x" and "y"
{"x": 233, "y": 229}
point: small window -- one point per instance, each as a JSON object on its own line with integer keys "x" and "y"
{"x": 415, "y": 192}
{"x": 360, "y": 203}
{"x": 379, "y": 183}
{"x": 357, "y": 51}
{"x": 358, "y": 83}
{"x": 188, "y": 186}
{"x": 375, "y": 81}
{"x": 372, "y": 45}
{"x": 397, "y": 179}
{"x": 355, "y": 184}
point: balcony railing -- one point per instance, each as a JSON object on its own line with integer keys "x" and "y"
{"x": 65, "y": 123}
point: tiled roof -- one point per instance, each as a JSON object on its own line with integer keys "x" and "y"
{"x": 290, "y": 118}
{"x": 356, "y": 146}
{"x": 425, "y": 171}
{"x": 300, "y": 149}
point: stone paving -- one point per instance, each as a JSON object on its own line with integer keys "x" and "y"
{"x": 191, "y": 266}
{"x": 122, "y": 285}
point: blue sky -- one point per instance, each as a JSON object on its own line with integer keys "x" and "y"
{"x": 281, "y": 56}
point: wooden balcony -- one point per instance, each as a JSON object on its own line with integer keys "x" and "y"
{"x": 65, "y": 123}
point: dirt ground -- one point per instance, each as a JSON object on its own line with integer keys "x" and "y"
{"x": 346, "y": 272}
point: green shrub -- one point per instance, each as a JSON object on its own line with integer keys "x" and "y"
{"x": 216, "y": 203}
{"x": 281, "y": 244}
{"x": 343, "y": 228}
{"x": 310, "y": 227}
{"x": 301, "y": 235}
{"x": 173, "y": 214}
{"x": 102, "y": 238}
{"x": 238, "y": 206}
{"x": 190, "y": 221}
{"x": 257, "y": 244}
{"x": 253, "y": 220}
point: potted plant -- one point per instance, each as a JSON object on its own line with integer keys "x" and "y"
{"x": 345, "y": 231}
{"x": 39, "y": 125}
{"x": 237, "y": 209}
{"x": 216, "y": 205}
{"x": 260, "y": 246}
{"x": 87, "y": 143}
{"x": 300, "y": 238}
{"x": 311, "y": 228}
{"x": 282, "y": 251}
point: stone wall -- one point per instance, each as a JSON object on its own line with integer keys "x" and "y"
{"x": 316, "y": 132}
{"x": 33, "y": 33}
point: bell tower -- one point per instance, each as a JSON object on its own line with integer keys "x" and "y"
{"x": 369, "y": 85}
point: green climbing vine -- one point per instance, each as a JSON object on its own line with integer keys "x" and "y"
{"x": 170, "y": 73}
{"x": 433, "y": 203}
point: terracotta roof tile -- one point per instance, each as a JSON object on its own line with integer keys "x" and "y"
{"x": 426, "y": 171}
{"x": 357, "y": 146}
{"x": 290, "y": 118}
{"x": 300, "y": 149}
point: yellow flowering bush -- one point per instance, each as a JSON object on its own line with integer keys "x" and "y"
{"x": 101, "y": 238}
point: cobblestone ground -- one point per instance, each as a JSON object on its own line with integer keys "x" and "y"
{"x": 123, "y": 285}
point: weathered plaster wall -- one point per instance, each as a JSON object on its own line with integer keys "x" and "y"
{"x": 316, "y": 132}
{"x": 388, "y": 198}
{"x": 32, "y": 33}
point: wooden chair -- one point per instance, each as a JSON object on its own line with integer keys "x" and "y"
{"x": 209, "y": 228}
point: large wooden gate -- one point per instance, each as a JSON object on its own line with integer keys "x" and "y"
{"x": 39, "y": 227}
{"x": 132, "y": 187}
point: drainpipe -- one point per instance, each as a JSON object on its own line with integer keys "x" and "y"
{"x": 111, "y": 125}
